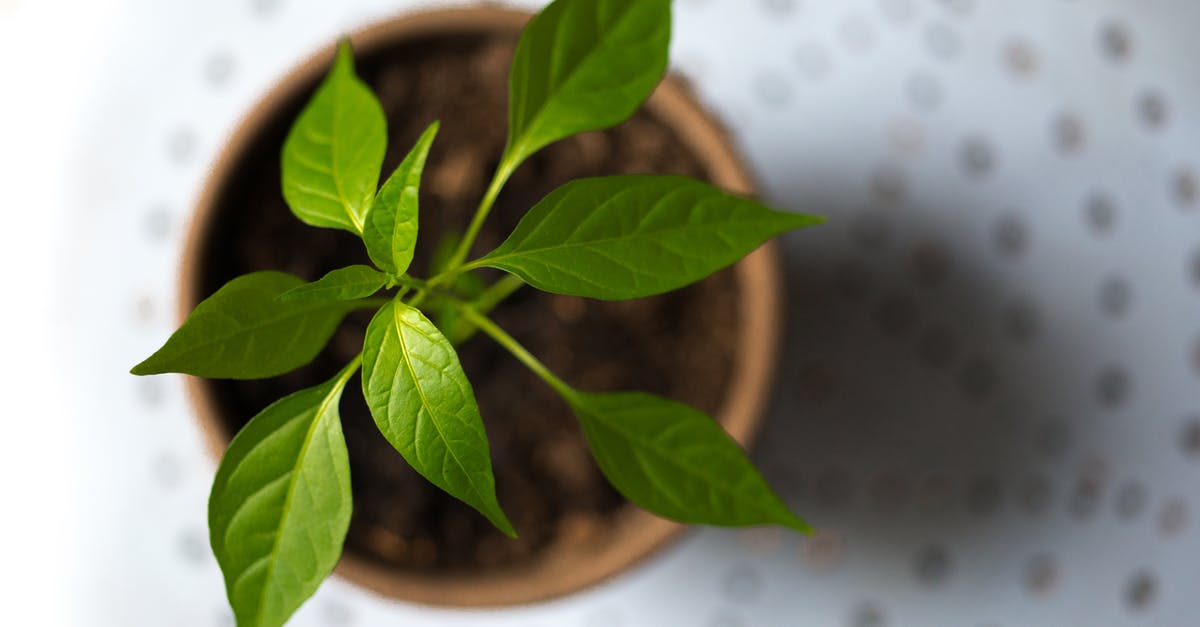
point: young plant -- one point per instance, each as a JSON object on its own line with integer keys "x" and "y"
{"x": 281, "y": 503}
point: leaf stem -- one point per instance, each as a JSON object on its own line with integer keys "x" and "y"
{"x": 514, "y": 347}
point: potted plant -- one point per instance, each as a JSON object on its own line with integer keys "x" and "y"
{"x": 281, "y": 503}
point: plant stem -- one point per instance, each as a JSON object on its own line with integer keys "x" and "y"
{"x": 503, "y": 171}
{"x": 350, "y": 368}
{"x": 514, "y": 347}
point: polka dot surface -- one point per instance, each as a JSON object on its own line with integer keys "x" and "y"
{"x": 988, "y": 401}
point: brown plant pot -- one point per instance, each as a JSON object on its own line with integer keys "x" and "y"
{"x": 631, "y": 534}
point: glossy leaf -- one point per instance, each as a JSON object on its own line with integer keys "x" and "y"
{"x": 584, "y": 65}
{"x": 281, "y": 503}
{"x": 422, "y": 402}
{"x": 677, "y": 462}
{"x": 334, "y": 151}
{"x": 349, "y": 283}
{"x": 632, "y": 236}
{"x": 390, "y": 232}
{"x": 244, "y": 331}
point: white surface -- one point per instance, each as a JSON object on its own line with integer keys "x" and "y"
{"x": 968, "y": 468}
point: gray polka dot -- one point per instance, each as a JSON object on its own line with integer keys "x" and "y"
{"x": 813, "y": 61}
{"x": 337, "y": 614}
{"x": 1131, "y": 500}
{"x": 265, "y": 7}
{"x": 984, "y": 496}
{"x": 193, "y": 547}
{"x": 1152, "y": 111}
{"x": 960, "y": 8}
{"x": 1141, "y": 590}
{"x": 150, "y": 390}
{"x": 1173, "y": 518}
{"x": 924, "y": 91}
{"x": 1020, "y": 58}
{"x": 1084, "y": 499}
{"x": 1184, "y": 188}
{"x": 1010, "y": 235}
{"x": 1035, "y": 494}
{"x": 1115, "y": 296}
{"x": 603, "y": 618}
{"x": 218, "y": 69}
{"x": 896, "y": 315}
{"x": 1116, "y": 44}
{"x": 777, "y": 8}
{"x": 977, "y": 378}
{"x": 977, "y": 157}
{"x": 772, "y": 90}
{"x": 1100, "y": 213}
{"x": 1189, "y": 438}
{"x": 823, "y": 551}
{"x": 144, "y": 309}
{"x": 942, "y": 41}
{"x": 888, "y": 186}
{"x": 1068, "y": 133}
{"x": 181, "y": 146}
{"x": 742, "y": 583}
{"x": 857, "y": 34}
{"x": 158, "y": 222}
{"x": 1054, "y": 438}
{"x": 1195, "y": 270}
{"x": 906, "y": 136}
{"x": 938, "y": 346}
{"x": 932, "y": 565}
{"x": 897, "y": 11}
{"x": 166, "y": 470}
{"x": 1021, "y": 322}
{"x": 1042, "y": 575}
{"x": 931, "y": 263}
{"x": 1112, "y": 387}
{"x": 867, "y": 614}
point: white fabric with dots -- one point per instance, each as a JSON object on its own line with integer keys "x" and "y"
{"x": 989, "y": 399}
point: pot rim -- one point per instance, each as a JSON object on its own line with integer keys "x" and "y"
{"x": 635, "y": 534}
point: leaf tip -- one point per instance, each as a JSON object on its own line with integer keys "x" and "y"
{"x": 345, "y": 54}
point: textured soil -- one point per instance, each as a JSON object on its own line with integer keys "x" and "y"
{"x": 680, "y": 345}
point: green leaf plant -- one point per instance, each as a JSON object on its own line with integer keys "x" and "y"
{"x": 280, "y": 503}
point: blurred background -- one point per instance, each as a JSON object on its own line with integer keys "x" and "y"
{"x": 988, "y": 400}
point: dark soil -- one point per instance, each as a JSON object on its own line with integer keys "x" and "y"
{"x": 679, "y": 345}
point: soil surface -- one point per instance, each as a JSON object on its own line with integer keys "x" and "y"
{"x": 680, "y": 345}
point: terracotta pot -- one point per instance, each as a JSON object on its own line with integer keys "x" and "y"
{"x": 635, "y": 534}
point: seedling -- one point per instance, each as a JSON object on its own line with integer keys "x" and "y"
{"x": 281, "y": 502}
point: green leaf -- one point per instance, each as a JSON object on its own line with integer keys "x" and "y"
{"x": 390, "y": 232}
{"x": 632, "y": 236}
{"x": 422, "y": 402}
{"x": 584, "y": 65}
{"x": 280, "y": 504}
{"x": 349, "y": 283}
{"x": 677, "y": 462}
{"x": 243, "y": 331}
{"x": 333, "y": 153}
